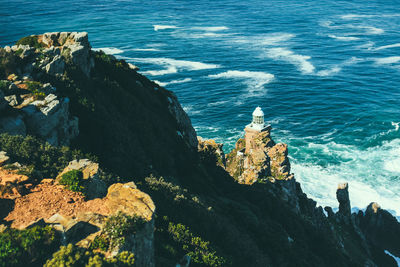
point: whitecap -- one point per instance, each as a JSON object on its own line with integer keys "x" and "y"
{"x": 174, "y": 65}
{"x": 218, "y": 103}
{"x": 174, "y": 82}
{"x": 343, "y": 38}
{"x": 361, "y": 16}
{"x": 387, "y": 46}
{"x": 211, "y": 29}
{"x": 255, "y": 80}
{"x": 301, "y": 61}
{"x": 329, "y": 72}
{"x": 145, "y": 49}
{"x": 109, "y": 50}
{"x": 164, "y": 27}
{"x": 387, "y": 60}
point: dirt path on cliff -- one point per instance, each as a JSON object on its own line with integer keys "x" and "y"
{"x": 47, "y": 199}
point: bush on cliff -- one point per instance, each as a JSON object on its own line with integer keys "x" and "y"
{"x": 71, "y": 256}
{"x": 73, "y": 180}
{"x": 32, "y": 41}
{"x": 26, "y": 247}
{"x": 46, "y": 160}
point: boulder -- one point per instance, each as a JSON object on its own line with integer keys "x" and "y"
{"x": 128, "y": 199}
{"x": 342, "y": 195}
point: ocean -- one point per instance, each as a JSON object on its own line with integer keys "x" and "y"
{"x": 326, "y": 74}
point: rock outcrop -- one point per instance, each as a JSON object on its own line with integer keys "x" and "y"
{"x": 211, "y": 151}
{"x": 342, "y": 195}
{"x": 264, "y": 159}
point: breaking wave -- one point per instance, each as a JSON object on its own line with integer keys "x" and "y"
{"x": 173, "y": 65}
{"x": 164, "y": 27}
{"x": 301, "y": 61}
{"x": 255, "y": 80}
{"x": 109, "y": 50}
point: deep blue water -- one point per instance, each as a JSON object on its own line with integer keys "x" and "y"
{"x": 326, "y": 74}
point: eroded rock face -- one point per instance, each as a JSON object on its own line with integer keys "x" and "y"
{"x": 74, "y": 47}
{"x": 50, "y": 120}
{"x": 185, "y": 128}
{"x": 212, "y": 151}
{"x": 264, "y": 159}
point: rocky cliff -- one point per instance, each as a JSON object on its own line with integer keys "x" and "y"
{"x": 96, "y": 155}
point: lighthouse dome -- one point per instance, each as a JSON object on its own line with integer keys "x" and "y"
{"x": 258, "y": 112}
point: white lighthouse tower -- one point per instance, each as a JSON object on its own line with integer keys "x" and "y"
{"x": 256, "y": 126}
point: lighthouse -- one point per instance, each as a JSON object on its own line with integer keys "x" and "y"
{"x": 256, "y": 126}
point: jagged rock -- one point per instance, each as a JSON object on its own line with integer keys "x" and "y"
{"x": 211, "y": 151}
{"x": 381, "y": 228}
{"x": 12, "y": 100}
{"x": 49, "y": 119}
{"x": 279, "y": 161}
{"x": 56, "y": 66}
{"x": 128, "y": 199}
{"x": 12, "y": 125}
{"x": 263, "y": 159}
{"x": 342, "y": 195}
{"x": 184, "y": 124}
{"x": 96, "y": 188}
{"x": 3, "y": 158}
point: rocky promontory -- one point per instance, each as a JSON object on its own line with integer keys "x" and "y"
{"x": 99, "y": 166}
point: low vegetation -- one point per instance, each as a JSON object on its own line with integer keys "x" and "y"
{"x": 72, "y": 256}
{"x": 27, "y": 247}
{"x": 31, "y": 41}
{"x": 73, "y": 180}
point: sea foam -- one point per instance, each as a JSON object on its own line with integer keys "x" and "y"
{"x": 301, "y": 61}
{"x": 164, "y": 27}
{"x": 109, "y": 50}
{"x": 255, "y": 80}
{"x": 387, "y": 46}
{"x": 343, "y": 38}
{"x": 173, "y": 65}
{"x": 387, "y": 60}
{"x": 368, "y": 172}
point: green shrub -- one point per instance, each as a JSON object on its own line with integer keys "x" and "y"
{"x": 73, "y": 180}
{"x": 71, "y": 256}
{"x": 199, "y": 250}
{"x": 45, "y": 160}
{"x": 121, "y": 225}
{"x": 100, "y": 242}
{"x": 26, "y": 246}
{"x": 4, "y": 85}
{"x": 9, "y": 62}
{"x": 32, "y": 41}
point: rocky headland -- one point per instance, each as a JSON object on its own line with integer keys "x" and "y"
{"x": 100, "y": 166}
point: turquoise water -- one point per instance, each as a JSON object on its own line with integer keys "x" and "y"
{"x": 326, "y": 74}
